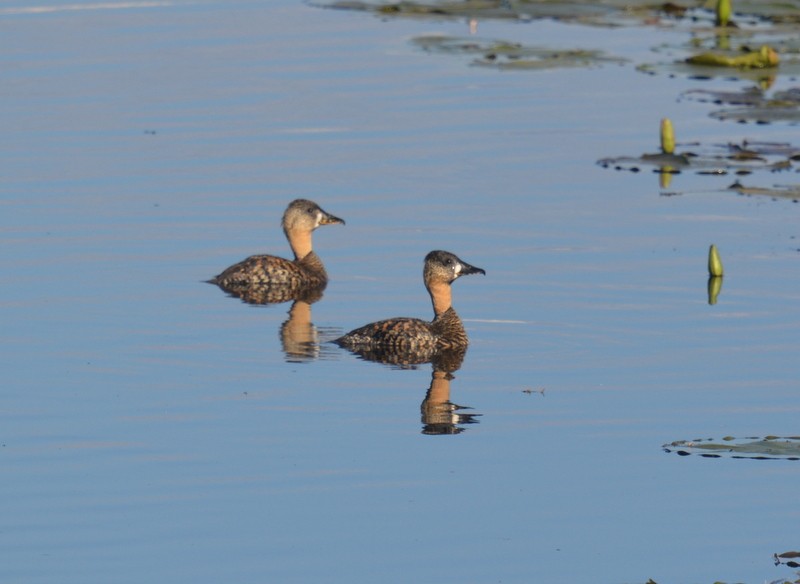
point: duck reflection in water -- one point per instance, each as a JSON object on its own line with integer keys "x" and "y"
{"x": 300, "y": 339}
{"x": 266, "y": 279}
{"x": 439, "y": 415}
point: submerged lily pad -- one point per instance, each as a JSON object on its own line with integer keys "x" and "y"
{"x": 759, "y": 115}
{"x": 790, "y": 192}
{"x": 715, "y": 159}
{"x": 777, "y": 11}
{"x": 506, "y": 55}
{"x": 769, "y": 447}
{"x": 598, "y": 12}
{"x": 754, "y": 104}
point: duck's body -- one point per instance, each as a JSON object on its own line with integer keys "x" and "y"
{"x": 414, "y": 339}
{"x": 287, "y": 278}
{"x": 269, "y": 271}
{"x": 445, "y": 331}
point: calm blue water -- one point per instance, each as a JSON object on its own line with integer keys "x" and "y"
{"x": 154, "y": 429}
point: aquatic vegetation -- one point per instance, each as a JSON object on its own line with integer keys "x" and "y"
{"x": 765, "y": 57}
{"x": 790, "y": 192}
{"x": 597, "y": 13}
{"x": 755, "y": 49}
{"x": 753, "y": 104}
{"x": 768, "y": 447}
{"x": 507, "y": 55}
{"x": 667, "y": 136}
{"x": 745, "y": 158}
{"x": 723, "y": 12}
{"x": 738, "y": 62}
{"x": 782, "y": 559}
{"x": 787, "y": 559}
{"x": 714, "y": 262}
{"x": 720, "y": 43}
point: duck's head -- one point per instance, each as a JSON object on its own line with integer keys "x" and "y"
{"x": 444, "y": 267}
{"x": 305, "y": 215}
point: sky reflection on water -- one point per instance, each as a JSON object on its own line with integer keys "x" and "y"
{"x": 154, "y": 426}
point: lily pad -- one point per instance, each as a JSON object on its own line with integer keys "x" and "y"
{"x": 593, "y": 13}
{"x": 754, "y": 96}
{"x": 700, "y": 70}
{"x": 777, "y": 11}
{"x": 715, "y": 159}
{"x": 790, "y": 192}
{"x": 598, "y": 13}
{"x": 756, "y": 53}
{"x": 753, "y": 104}
{"x": 764, "y": 58}
{"x": 759, "y": 115}
{"x": 507, "y": 55}
{"x": 768, "y": 447}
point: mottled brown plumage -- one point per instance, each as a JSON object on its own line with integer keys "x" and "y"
{"x": 413, "y": 340}
{"x": 263, "y": 279}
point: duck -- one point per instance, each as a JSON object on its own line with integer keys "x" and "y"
{"x": 275, "y": 278}
{"x": 413, "y": 340}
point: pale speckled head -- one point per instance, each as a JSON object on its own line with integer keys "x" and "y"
{"x": 305, "y": 215}
{"x": 443, "y": 266}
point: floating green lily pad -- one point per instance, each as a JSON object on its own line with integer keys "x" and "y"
{"x": 758, "y": 53}
{"x": 507, "y": 55}
{"x": 769, "y": 447}
{"x": 705, "y": 71}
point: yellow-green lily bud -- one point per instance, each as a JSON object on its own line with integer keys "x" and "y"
{"x": 723, "y": 12}
{"x": 667, "y": 136}
{"x": 714, "y": 262}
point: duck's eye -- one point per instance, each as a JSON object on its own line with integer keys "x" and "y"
{"x": 310, "y": 210}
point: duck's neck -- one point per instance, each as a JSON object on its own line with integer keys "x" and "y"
{"x": 300, "y": 242}
{"x": 312, "y": 265}
{"x": 441, "y": 297}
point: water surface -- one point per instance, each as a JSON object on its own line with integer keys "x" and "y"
{"x": 153, "y": 427}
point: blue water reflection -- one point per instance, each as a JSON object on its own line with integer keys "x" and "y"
{"x": 153, "y": 428}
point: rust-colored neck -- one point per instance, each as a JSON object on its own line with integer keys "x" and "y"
{"x": 441, "y": 297}
{"x": 300, "y": 242}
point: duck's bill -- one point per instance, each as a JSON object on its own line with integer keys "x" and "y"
{"x": 467, "y": 269}
{"x": 328, "y": 219}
